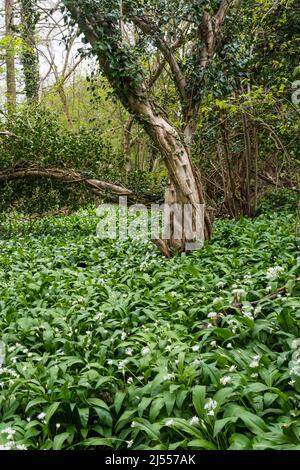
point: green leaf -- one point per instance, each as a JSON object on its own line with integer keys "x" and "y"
{"x": 199, "y": 393}
{"x": 250, "y": 420}
{"x": 51, "y": 410}
{"x": 201, "y": 444}
{"x": 156, "y": 407}
{"x": 221, "y": 423}
{"x": 143, "y": 405}
{"x": 240, "y": 442}
{"x": 119, "y": 398}
{"x": 98, "y": 441}
{"x": 98, "y": 403}
{"x": 59, "y": 440}
{"x": 35, "y": 402}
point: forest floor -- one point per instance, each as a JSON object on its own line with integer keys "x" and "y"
{"x": 106, "y": 343}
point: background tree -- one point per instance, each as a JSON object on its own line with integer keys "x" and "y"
{"x": 11, "y": 91}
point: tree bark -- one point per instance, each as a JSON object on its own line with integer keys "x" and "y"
{"x": 11, "y": 91}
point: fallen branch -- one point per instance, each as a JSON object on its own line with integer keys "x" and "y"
{"x": 66, "y": 175}
{"x": 281, "y": 291}
{"x": 270, "y": 181}
{"x": 236, "y": 305}
{"x": 8, "y": 134}
{"x": 64, "y": 211}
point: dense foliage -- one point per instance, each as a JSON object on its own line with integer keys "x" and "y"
{"x": 106, "y": 344}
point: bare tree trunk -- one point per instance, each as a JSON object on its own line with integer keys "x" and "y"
{"x": 11, "y": 91}
{"x": 184, "y": 187}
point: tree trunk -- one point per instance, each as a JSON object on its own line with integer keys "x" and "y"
{"x": 29, "y": 57}
{"x": 11, "y": 91}
{"x": 184, "y": 188}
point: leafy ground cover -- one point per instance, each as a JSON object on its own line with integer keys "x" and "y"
{"x": 106, "y": 344}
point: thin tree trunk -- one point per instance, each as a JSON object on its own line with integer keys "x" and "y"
{"x": 247, "y": 166}
{"x": 11, "y": 91}
{"x": 29, "y": 57}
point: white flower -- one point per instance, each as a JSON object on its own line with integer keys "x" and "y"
{"x": 274, "y": 272}
{"x": 197, "y": 362}
{"x": 41, "y": 416}
{"x": 212, "y": 315}
{"x": 129, "y": 443}
{"x": 7, "y": 446}
{"x": 248, "y": 314}
{"x": 232, "y": 369}
{"x": 196, "y": 348}
{"x": 130, "y": 380}
{"x": 169, "y": 422}
{"x": 10, "y": 433}
{"x": 129, "y": 351}
{"x": 21, "y": 447}
{"x": 123, "y": 336}
{"x": 225, "y": 380}
{"x": 213, "y": 344}
{"x": 229, "y": 346}
{"x": 121, "y": 365}
{"x": 238, "y": 294}
{"x": 210, "y": 406}
{"x": 220, "y": 284}
{"x": 295, "y": 344}
{"x": 254, "y": 376}
{"x": 194, "y": 420}
{"x": 295, "y": 370}
{"x": 255, "y": 363}
{"x": 146, "y": 350}
{"x": 257, "y": 310}
{"x": 292, "y": 383}
{"x": 58, "y": 425}
{"x": 133, "y": 424}
{"x": 168, "y": 377}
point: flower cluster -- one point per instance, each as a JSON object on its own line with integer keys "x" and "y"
{"x": 274, "y": 272}
{"x": 210, "y": 407}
